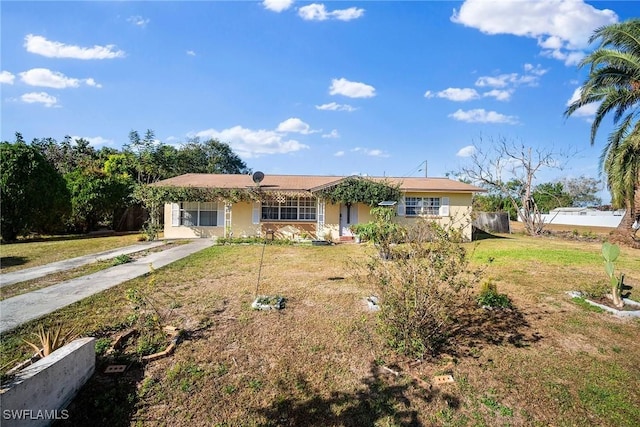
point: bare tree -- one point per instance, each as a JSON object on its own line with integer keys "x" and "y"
{"x": 502, "y": 163}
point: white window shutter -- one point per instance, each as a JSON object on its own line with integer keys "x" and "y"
{"x": 401, "y": 207}
{"x": 220, "y": 211}
{"x": 444, "y": 206}
{"x": 175, "y": 214}
{"x": 256, "y": 212}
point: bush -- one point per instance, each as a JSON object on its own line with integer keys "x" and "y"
{"x": 489, "y": 296}
{"x": 121, "y": 259}
{"x": 423, "y": 290}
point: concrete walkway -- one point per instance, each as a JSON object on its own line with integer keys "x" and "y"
{"x": 7, "y": 279}
{"x": 22, "y": 308}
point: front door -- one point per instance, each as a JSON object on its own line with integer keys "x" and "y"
{"x": 348, "y": 217}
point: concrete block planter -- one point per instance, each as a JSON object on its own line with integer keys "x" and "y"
{"x": 38, "y": 394}
{"x": 621, "y": 313}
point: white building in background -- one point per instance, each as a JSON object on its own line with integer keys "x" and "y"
{"x": 584, "y": 216}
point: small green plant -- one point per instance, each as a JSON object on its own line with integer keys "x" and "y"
{"x": 255, "y": 385}
{"x": 610, "y": 253}
{"x": 382, "y": 231}
{"x": 121, "y": 259}
{"x": 102, "y": 345}
{"x": 489, "y": 296}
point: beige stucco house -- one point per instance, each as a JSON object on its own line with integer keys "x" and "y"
{"x": 290, "y": 206}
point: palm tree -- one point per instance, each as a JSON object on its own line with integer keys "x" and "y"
{"x": 614, "y": 82}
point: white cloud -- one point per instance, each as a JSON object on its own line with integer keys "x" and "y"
{"x": 561, "y": 27}
{"x": 6, "y": 78}
{"x": 277, "y": 5}
{"x": 568, "y": 57}
{"x": 345, "y": 87}
{"x": 531, "y": 77}
{"x": 318, "y": 12}
{"x": 95, "y": 141}
{"x": 339, "y": 153}
{"x": 191, "y": 53}
{"x": 333, "y": 134}
{"x": 500, "y": 95}
{"x": 587, "y": 111}
{"x": 535, "y": 69}
{"x": 334, "y": 106}
{"x": 370, "y": 152}
{"x": 467, "y": 151}
{"x": 39, "y": 98}
{"x": 138, "y": 21}
{"x": 41, "y": 46}
{"x": 480, "y": 115}
{"x": 46, "y": 78}
{"x": 458, "y": 94}
{"x": 250, "y": 143}
{"x": 91, "y": 82}
{"x": 347, "y": 14}
{"x": 295, "y": 125}
{"x": 428, "y": 94}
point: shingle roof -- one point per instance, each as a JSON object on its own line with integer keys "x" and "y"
{"x": 310, "y": 182}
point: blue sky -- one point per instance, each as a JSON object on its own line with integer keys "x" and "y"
{"x": 302, "y": 87}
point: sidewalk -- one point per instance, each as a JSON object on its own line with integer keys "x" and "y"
{"x": 23, "y": 308}
{"x": 7, "y": 279}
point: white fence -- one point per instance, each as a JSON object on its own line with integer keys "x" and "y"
{"x": 590, "y": 218}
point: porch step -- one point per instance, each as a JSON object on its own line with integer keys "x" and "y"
{"x": 347, "y": 239}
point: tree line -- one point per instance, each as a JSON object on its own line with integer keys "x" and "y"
{"x": 49, "y": 186}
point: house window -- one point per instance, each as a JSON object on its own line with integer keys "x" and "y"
{"x": 194, "y": 214}
{"x": 416, "y": 206}
{"x": 290, "y": 209}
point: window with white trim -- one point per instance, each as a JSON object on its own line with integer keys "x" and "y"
{"x": 417, "y": 206}
{"x": 289, "y": 209}
{"x": 198, "y": 214}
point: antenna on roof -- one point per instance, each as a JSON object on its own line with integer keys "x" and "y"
{"x": 425, "y": 169}
{"x": 257, "y": 177}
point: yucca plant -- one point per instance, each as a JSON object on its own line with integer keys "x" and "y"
{"x": 51, "y": 339}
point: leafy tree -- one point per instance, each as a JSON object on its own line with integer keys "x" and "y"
{"x": 34, "y": 196}
{"x": 212, "y": 156}
{"x": 551, "y": 195}
{"x": 67, "y": 155}
{"x": 614, "y": 83}
{"x": 95, "y": 196}
{"x": 582, "y": 191}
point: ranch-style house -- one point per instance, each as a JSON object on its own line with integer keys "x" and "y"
{"x": 293, "y": 206}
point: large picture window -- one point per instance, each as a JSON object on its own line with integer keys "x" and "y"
{"x": 199, "y": 214}
{"x": 289, "y": 209}
{"x": 417, "y": 206}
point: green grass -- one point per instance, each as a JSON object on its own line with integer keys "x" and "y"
{"x": 26, "y": 254}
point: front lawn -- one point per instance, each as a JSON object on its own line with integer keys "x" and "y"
{"x": 320, "y": 361}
